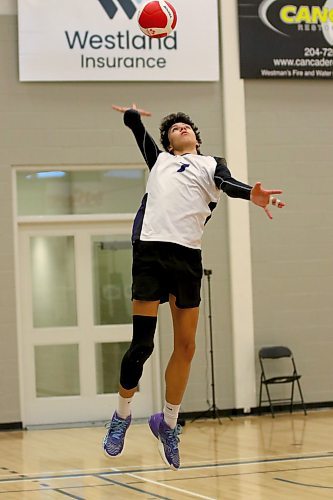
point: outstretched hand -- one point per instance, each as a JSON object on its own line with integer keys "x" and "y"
{"x": 262, "y": 198}
{"x": 122, "y": 109}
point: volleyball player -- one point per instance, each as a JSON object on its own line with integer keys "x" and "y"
{"x": 183, "y": 188}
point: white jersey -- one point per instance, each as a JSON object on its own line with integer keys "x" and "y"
{"x": 181, "y": 191}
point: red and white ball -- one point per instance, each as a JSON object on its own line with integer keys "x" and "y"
{"x": 157, "y": 18}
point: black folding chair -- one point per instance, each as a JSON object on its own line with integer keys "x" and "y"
{"x": 278, "y": 352}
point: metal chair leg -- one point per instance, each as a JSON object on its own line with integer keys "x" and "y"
{"x": 301, "y": 394}
{"x": 270, "y": 401}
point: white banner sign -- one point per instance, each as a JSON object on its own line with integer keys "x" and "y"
{"x": 61, "y": 40}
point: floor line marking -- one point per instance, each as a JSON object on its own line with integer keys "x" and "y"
{"x": 51, "y": 488}
{"x": 116, "y": 472}
{"x": 243, "y": 473}
{"x": 164, "y": 481}
{"x": 303, "y": 484}
{"x": 152, "y": 468}
{"x": 128, "y": 486}
{"x": 60, "y": 490}
{"x": 174, "y": 488}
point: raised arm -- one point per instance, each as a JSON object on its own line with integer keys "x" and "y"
{"x": 147, "y": 145}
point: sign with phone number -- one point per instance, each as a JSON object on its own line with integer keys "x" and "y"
{"x": 286, "y": 38}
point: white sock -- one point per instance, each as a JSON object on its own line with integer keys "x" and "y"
{"x": 124, "y": 406}
{"x": 171, "y": 414}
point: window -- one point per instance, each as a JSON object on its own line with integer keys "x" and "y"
{"x": 78, "y": 192}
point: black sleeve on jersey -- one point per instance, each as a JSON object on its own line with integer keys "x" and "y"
{"x": 146, "y": 143}
{"x": 232, "y": 187}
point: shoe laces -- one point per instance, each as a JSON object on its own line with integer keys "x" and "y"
{"x": 172, "y": 437}
{"x": 118, "y": 427}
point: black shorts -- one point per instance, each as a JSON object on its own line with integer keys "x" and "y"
{"x": 160, "y": 269}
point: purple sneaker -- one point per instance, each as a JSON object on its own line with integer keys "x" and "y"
{"x": 167, "y": 440}
{"x": 113, "y": 442}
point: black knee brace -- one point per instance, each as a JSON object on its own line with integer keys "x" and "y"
{"x": 141, "y": 347}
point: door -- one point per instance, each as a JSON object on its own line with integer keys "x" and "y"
{"x": 75, "y": 311}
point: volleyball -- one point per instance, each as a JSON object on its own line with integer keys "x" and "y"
{"x": 157, "y": 18}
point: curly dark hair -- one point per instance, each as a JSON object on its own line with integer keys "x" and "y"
{"x": 170, "y": 120}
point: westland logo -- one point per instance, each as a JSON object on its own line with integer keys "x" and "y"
{"x": 111, "y": 7}
{"x": 121, "y": 48}
{"x": 280, "y": 15}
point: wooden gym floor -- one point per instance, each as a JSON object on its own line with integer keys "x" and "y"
{"x": 288, "y": 457}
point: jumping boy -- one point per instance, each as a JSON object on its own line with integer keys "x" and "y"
{"x": 183, "y": 188}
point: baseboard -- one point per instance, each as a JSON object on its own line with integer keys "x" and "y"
{"x": 196, "y": 415}
{"x": 11, "y": 426}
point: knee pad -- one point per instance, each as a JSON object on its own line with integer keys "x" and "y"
{"x": 141, "y": 347}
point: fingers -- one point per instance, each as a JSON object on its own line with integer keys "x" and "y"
{"x": 277, "y": 203}
{"x": 144, "y": 113}
{"x": 122, "y": 109}
{"x": 119, "y": 108}
{"x": 262, "y": 197}
{"x": 274, "y": 191}
{"x": 269, "y": 215}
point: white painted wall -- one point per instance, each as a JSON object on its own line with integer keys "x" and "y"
{"x": 238, "y": 213}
